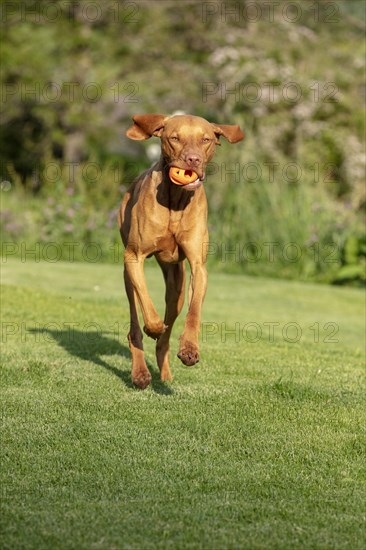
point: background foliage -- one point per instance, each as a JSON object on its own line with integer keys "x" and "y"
{"x": 286, "y": 202}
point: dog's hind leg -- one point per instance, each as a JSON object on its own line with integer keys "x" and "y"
{"x": 174, "y": 275}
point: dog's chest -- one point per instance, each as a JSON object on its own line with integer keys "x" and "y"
{"x": 168, "y": 249}
{"x": 168, "y": 244}
{"x": 175, "y": 221}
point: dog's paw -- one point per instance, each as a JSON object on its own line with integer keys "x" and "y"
{"x": 141, "y": 379}
{"x": 155, "y": 330}
{"x": 189, "y": 354}
{"x": 166, "y": 375}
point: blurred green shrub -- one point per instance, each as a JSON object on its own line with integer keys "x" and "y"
{"x": 69, "y": 87}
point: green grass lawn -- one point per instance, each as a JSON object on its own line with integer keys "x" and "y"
{"x": 261, "y": 445}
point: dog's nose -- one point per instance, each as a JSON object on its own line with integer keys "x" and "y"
{"x": 193, "y": 160}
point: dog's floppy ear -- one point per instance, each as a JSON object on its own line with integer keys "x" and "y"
{"x": 231, "y": 132}
{"x": 146, "y": 126}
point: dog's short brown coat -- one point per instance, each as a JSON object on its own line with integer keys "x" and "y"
{"x": 169, "y": 221}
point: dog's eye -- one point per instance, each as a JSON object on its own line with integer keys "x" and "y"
{"x": 206, "y": 140}
{"x": 174, "y": 138}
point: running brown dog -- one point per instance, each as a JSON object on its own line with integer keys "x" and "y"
{"x": 160, "y": 218}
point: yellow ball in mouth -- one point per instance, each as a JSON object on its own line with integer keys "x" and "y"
{"x": 182, "y": 177}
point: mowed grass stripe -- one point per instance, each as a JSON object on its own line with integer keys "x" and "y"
{"x": 259, "y": 446}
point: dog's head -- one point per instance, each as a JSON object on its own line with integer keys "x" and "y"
{"x": 187, "y": 142}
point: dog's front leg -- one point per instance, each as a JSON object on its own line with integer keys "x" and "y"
{"x": 134, "y": 265}
{"x": 189, "y": 349}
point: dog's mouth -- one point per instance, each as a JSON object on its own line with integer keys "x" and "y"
{"x": 188, "y": 179}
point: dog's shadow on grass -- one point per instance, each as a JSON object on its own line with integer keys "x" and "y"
{"x": 92, "y": 345}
